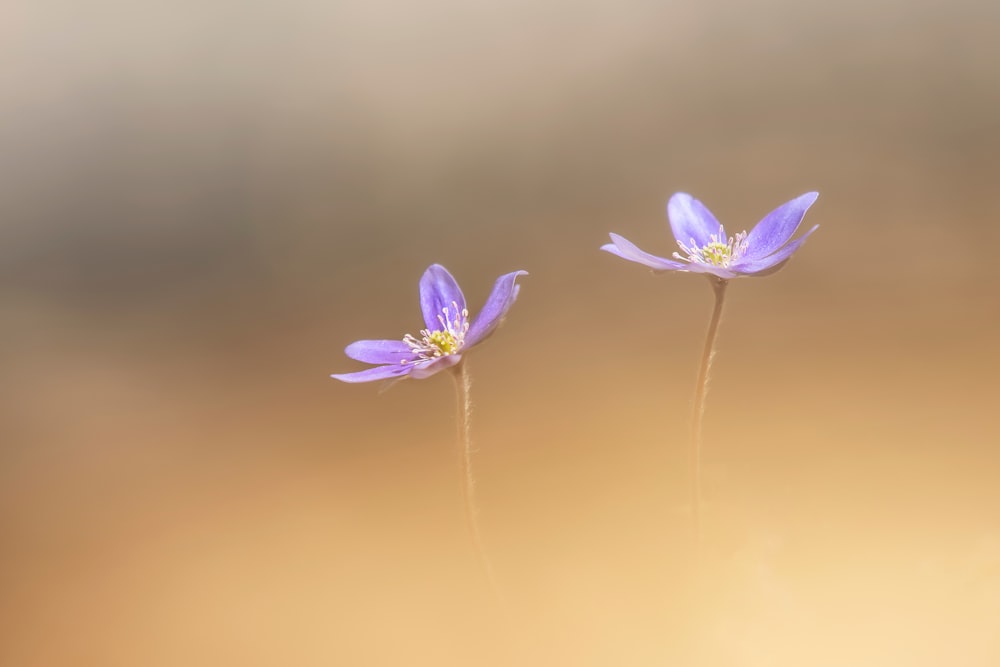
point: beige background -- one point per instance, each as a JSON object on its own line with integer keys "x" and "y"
{"x": 202, "y": 203}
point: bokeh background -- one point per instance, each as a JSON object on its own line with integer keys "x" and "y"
{"x": 202, "y": 203}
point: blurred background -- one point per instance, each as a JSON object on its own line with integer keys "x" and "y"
{"x": 201, "y": 204}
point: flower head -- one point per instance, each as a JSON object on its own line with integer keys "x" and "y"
{"x": 706, "y": 248}
{"x": 449, "y": 331}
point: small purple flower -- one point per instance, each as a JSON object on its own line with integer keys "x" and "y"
{"x": 449, "y": 333}
{"x": 706, "y": 248}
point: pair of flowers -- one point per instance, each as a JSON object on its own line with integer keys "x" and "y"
{"x": 704, "y": 248}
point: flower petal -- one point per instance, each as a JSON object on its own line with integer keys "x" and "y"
{"x": 377, "y": 373}
{"x": 379, "y": 351}
{"x": 427, "y": 369}
{"x": 710, "y": 269}
{"x": 438, "y": 290}
{"x": 499, "y": 302}
{"x": 691, "y": 220}
{"x": 625, "y": 249}
{"x": 774, "y": 230}
{"x": 764, "y": 265}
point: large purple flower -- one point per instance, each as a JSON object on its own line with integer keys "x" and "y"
{"x": 449, "y": 333}
{"x": 705, "y": 247}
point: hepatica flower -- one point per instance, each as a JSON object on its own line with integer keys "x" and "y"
{"x": 449, "y": 332}
{"x": 706, "y": 248}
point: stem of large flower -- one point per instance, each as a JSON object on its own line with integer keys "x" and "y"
{"x": 463, "y": 384}
{"x": 698, "y": 405}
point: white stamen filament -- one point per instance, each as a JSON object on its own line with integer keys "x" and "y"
{"x": 719, "y": 251}
{"x": 442, "y": 342}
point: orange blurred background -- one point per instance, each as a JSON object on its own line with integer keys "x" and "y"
{"x": 202, "y": 204}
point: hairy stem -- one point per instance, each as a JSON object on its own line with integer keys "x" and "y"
{"x": 698, "y": 405}
{"x": 463, "y": 384}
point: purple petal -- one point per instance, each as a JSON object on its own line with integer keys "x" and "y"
{"x": 710, "y": 269}
{"x": 438, "y": 290}
{"x": 691, "y": 220}
{"x": 377, "y": 373}
{"x": 427, "y": 369}
{"x": 499, "y": 302}
{"x": 379, "y": 351}
{"x": 625, "y": 249}
{"x": 763, "y": 264}
{"x": 774, "y": 230}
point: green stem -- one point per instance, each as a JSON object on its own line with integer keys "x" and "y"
{"x": 698, "y": 406}
{"x": 463, "y": 384}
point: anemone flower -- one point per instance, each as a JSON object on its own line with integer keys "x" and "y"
{"x": 705, "y": 248}
{"x": 449, "y": 334}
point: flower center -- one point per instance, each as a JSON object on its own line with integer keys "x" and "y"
{"x": 719, "y": 251}
{"x": 442, "y": 342}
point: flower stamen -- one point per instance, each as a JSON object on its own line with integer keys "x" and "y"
{"x": 442, "y": 342}
{"x": 719, "y": 251}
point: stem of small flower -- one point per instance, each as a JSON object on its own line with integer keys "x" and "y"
{"x": 463, "y": 384}
{"x": 698, "y": 406}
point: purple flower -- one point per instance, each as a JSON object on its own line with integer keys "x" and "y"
{"x": 705, "y": 247}
{"x": 449, "y": 333}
